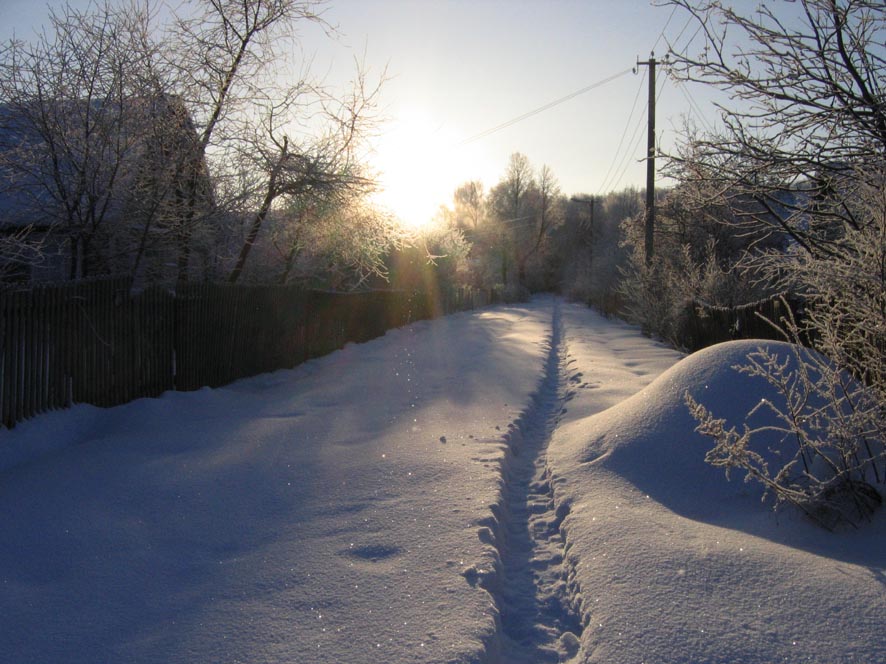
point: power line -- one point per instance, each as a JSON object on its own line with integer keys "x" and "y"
{"x": 667, "y": 23}
{"x": 621, "y": 163}
{"x": 617, "y": 157}
{"x": 695, "y": 108}
{"x": 680, "y": 34}
{"x": 626, "y": 159}
{"x": 635, "y": 142}
{"x": 529, "y": 114}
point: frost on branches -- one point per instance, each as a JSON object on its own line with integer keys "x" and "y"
{"x": 817, "y": 444}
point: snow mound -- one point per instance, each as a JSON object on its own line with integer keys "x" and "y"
{"x": 649, "y": 439}
{"x": 672, "y": 563}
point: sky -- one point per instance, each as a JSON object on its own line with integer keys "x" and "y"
{"x": 458, "y": 69}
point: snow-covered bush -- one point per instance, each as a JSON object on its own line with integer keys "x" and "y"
{"x": 819, "y": 447}
{"x": 835, "y": 408}
{"x": 798, "y": 160}
{"x": 665, "y": 295}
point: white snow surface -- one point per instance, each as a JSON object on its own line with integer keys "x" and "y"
{"x": 518, "y": 484}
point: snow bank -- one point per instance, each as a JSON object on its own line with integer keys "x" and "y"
{"x": 673, "y": 563}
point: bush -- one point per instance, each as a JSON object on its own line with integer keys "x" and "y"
{"x": 825, "y": 436}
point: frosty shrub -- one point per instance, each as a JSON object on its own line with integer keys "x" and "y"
{"x": 664, "y": 295}
{"x": 835, "y": 408}
{"x": 646, "y": 298}
{"x": 819, "y": 445}
{"x": 799, "y": 161}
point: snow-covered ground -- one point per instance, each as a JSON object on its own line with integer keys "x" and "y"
{"x": 494, "y": 486}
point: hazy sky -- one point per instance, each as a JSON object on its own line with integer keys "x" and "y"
{"x": 461, "y": 67}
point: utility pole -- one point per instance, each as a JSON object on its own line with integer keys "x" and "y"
{"x": 590, "y": 203}
{"x": 650, "y": 162}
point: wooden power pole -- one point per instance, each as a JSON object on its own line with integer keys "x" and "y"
{"x": 650, "y": 162}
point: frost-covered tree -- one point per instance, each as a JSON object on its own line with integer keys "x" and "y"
{"x": 308, "y": 171}
{"x": 806, "y": 120}
{"x": 78, "y": 108}
{"x": 524, "y": 207}
{"x": 588, "y": 251}
{"x": 158, "y": 150}
{"x": 803, "y": 154}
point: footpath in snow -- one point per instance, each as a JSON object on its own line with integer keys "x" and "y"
{"x": 514, "y": 485}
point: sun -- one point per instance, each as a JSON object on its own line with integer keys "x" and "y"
{"x": 419, "y": 166}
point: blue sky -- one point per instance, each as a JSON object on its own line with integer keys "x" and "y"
{"x": 459, "y": 68}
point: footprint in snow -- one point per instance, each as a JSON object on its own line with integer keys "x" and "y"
{"x": 372, "y": 552}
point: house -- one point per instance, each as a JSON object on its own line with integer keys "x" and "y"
{"x": 90, "y": 188}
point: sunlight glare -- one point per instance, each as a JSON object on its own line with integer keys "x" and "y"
{"x": 420, "y": 167}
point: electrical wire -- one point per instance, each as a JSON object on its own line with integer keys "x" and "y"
{"x": 680, "y": 34}
{"x": 536, "y": 111}
{"x": 695, "y": 109}
{"x": 667, "y": 23}
{"x": 636, "y": 142}
{"x": 626, "y": 161}
{"x": 621, "y": 162}
{"x": 624, "y": 132}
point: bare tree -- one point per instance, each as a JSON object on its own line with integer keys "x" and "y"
{"x": 319, "y": 171}
{"x": 806, "y": 111}
{"x": 143, "y": 148}
{"x": 509, "y": 203}
{"x": 220, "y": 57}
{"x": 548, "y": 212}
{"x": 469, "y": 201}
{"x": 70, "y": 128}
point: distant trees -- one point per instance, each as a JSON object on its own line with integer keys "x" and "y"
{"x": 524, "y": 207}
{"x": 589, "y": 250}
{"x": 525, "y": 236}
{"x": 161, "y": 150}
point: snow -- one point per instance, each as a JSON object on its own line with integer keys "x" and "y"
{"x": 518, "y": 484}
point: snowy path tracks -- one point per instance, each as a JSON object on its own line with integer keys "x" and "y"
{"x": 390, "y": 502}
{"x": 539, "y": 620}
{"x": 325, "y": 514}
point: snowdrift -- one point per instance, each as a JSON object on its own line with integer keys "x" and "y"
{"x": 649, "y": 438}
{"x": 673, "y": 563}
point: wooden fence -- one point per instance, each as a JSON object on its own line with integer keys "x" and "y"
{"x": 703, "y": 325}
{"x": 94, "y": 342}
